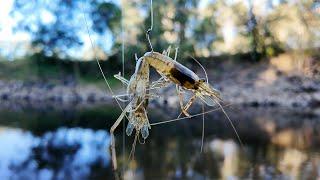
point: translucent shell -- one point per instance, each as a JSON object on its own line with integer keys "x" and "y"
{"x": 145, "y": 131}
{"x": 129, "y": 129}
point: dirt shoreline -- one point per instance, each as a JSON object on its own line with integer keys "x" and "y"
{"x": 38, "y": 95}
{"x": 282, "y": 81}
{"x": 285, "y": 92}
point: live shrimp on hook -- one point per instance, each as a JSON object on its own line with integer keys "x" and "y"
{"x": 138, "y": 95}
{"x": 185, "y": 79}
{"x": 138, "y": 91}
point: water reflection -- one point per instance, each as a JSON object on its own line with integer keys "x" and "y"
{"x": 64, "y": 154}
{"x": 290, "y": 162}
{"x": 225, "y": 159}
{"x": 278, "y": 143}
{"x": 229, "y": 153}
{"x": 16, "y": 148}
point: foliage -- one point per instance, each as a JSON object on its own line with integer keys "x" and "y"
{"x": 54, "y": 25}
{"x": 262, "y": 29}
{"x": 41, "y": 68}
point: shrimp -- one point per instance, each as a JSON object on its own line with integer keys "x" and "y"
{"x": 137, "y": 115}
{"x": 184, "y": 78}
{"x": 139, "y": 95}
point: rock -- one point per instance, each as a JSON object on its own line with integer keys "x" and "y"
{"x": 5, "y": 96}
{"x": 314, "y": 103}
{"x": 309, "y": 87}
{"x": 91, "y": 98}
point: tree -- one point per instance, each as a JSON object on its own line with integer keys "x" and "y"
{"x": 171, "y": 23}
{"x": 57, "y": 26}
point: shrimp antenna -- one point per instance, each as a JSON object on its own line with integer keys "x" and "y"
{"x": 231, "y": 123}
{"x": 151, "y": 26}
{"x": 204, "y": 70}
{"x": 224, "y": 112}
{"x": 207, "y": 80}
{"x": 202, "y": 135}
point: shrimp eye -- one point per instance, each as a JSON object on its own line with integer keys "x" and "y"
{"x": 202, "y": 80}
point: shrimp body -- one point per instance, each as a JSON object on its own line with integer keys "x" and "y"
{"x": 137, "y": 89}
{"x": 173, "y": 70}
{"x": 139, "y": 81}
{"x": 187, "y": 79}
{"x": 182, "y": 76}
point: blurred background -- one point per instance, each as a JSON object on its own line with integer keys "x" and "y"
{"x": 56, "y": 111}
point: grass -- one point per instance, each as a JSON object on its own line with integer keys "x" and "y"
{"x": 31, "y": 70}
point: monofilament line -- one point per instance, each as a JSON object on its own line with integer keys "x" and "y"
{"x": 95, "y": 55}
{"x": 202, "y": 135}
{"x": 122, "y": 60}
{"x": 96, "y": 58}
{"x": 151, "y": 26}
{"x": 189, "y": 117}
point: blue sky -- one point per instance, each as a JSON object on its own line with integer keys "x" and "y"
{"x": 7, "y": 22}
{"x": 8, "y": 39}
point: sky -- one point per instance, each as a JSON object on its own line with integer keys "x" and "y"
{"x": 9, "y": 40}
{"x": 6, "y": 24}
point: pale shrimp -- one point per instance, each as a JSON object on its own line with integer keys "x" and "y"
{"x": 137, "y": 115}
{"x": 184, "y": 78}
{"x": 138, "y": 96}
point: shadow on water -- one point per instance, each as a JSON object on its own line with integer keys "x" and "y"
{"x": 72, "y": 143}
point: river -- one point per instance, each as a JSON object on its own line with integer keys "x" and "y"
{"x": 72, "y": 143}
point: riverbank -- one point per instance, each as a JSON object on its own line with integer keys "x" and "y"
{"x": 39, "y": 94}
{"x": 282, "y": 81}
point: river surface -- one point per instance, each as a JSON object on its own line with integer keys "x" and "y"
{"x": 72, "y": 143}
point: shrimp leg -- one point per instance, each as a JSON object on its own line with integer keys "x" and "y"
{"x": 113, "y": 141}
{"x": 186, "y": 107}
{"x": 121, "y": 78}
{"x": 190, "y": 102}
{"x": 181, "y": 101}
{"x": 160, "y": 83}
{"x": 119, "y": 97}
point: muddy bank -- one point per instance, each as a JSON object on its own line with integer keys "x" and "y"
{"x": 286, "y": 80}
{"x": 293, "y": 91}
{"x": 40, "y": 94}
{"x": 282, "y": 81}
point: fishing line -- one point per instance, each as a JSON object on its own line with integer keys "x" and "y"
{"x": 188, "y": 117}
{"x": 151, "y": 26}
{"x": 122, "y": 60}
{"x": 96, "y": 58}
{"x": 202, "y": 135}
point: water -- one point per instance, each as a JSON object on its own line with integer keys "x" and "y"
{"x": 72, "y": 143}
